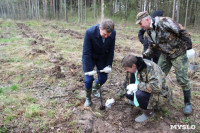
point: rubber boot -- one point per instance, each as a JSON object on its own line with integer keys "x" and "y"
{"x": 88, "y": 97}
{"x": 145, "y": 116}
{"x": 95, "y": 89}
{"x": 188, "y": 106}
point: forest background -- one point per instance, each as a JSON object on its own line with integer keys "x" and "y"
{"x": 185, "y": 12}
{"x": 41, "y": 76}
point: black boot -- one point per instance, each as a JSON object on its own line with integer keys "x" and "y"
{"x": 88, "y": 97}
{"x": 188, "y": 105}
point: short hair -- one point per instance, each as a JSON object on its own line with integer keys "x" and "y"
{"x": 128, "y": 60}
{"x": 107, "y": 25}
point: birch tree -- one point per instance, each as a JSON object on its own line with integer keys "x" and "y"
{"x": 174, "y": 7}
{"x": 177, "y": 11}
{"x": 95, "y": 14}
{"x": 66, "y": 16}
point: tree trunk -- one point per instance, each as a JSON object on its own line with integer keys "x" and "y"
{"x": 60, "y": 9}
{"x": 102, "y": 9}
{"x": 81, "y": 11}
{"x": 66, "y": 17}
{"x": 190, "y": 17}
{"x": 111, "y": 8}
{"x": 85, "y": 11}
{"x": 71, "y": 7}
{"x": 24, "y": 9}
{"x": 141, "y": 5}
{"x": 54, "y": 9}
{"x": 38, "y": 2}
{"x": 95, "y": 14}
{"x": 178, "y": 10}
{"x": 174, "y": 7}
{"x": 186, "y": 14}
{"x": 156, "y": 4}
{"x": 79, "y": 17}
{"x": 126, "y": 11}
{"x": 8, "y": 8}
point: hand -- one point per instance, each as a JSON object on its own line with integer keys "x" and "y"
{"x": 106, "y": 69}
{"x": 91, "y": 73}
{"x": 132, "y": 88}
{"x": 146, "y": 53}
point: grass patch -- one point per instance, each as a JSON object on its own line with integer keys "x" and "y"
{"x": 30, "y": 99}
{"x": 51, "y": 113}
{"x": 185, "y": 121}
{"x": 1, "y": 90}
{"x": 8, "y": 24}
{"x": 33, "y": 111}
{"x": 98, "y": 114}
{"x": 3, "y": 130}
{"x": 14, "y": 87}
{"x": 8, "y": 119}
{"x": 68, "y": 114}
{"x": 79, "y": 97}
{"x": 76, "y": 92}
{"x": 72, "y": 123}
{"x": 68, "y": 105}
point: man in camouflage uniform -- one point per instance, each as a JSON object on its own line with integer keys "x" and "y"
{"x": 166, "y": 35}
{"x": 152, "y": 91}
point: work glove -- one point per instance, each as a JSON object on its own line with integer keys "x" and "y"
{"x": 132, "y": 88}
{"x": 190, "y": 53}
{"x": 91, "y": 73}
{"x": 106, "y": 69}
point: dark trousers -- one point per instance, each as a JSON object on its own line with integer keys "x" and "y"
{"x": 102, "y": 77}
{"x": 142, "y": 97}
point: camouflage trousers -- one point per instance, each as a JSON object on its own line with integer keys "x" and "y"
{"x": 180, "y": 65}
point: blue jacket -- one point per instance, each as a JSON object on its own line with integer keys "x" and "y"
{"x": 95, "y": 52}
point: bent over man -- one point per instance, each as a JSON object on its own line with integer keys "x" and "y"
{"x": 171, "y": 40}
{"x": 98, "y": 50}
{"x": 151, "y": 92}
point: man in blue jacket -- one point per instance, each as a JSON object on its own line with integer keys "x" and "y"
{"x": 98, "y": 50}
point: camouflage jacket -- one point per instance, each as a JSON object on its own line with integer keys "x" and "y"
{"x": 165, "y": 35}
{"x": 153, "y": 80}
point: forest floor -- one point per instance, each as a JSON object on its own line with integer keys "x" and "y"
{"x": 42, "y": 83}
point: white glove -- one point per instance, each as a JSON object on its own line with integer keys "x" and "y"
{"x": 91, "y": 73}
{"x": 106, "y": 69}
{"x": 132, "y": 88}
{"x": 109, "y": 102}
{"x": 190, "y": 53}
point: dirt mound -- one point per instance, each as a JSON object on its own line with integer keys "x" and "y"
{"x": 72, "y": 33}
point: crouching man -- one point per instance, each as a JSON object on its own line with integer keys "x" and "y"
{"x": 151, "y": 92}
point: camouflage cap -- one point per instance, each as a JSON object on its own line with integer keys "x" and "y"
{"x": 140, "y": 16}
